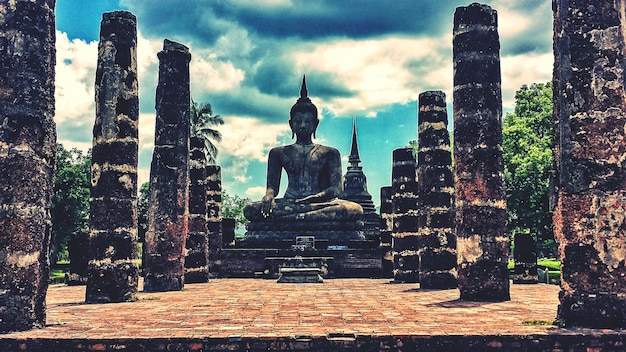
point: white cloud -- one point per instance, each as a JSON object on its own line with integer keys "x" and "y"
{"x": 210, "y": 74}
{"x": 381, "y": 71}
{"x": 255, "y": 192}
{"x": 511, "y": 23}
{"x": 249, "y": 138}
{"x": 146, "y": 131}
{"x": 76, "y": 62}
{"x": 523, "y": 69}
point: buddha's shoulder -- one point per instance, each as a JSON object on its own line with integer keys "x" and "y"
{"x": 326, "y": 149}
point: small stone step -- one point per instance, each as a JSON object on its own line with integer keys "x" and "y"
{"x": 300, "y": 275}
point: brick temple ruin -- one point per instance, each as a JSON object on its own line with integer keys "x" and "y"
{"x": 185, "y": 218}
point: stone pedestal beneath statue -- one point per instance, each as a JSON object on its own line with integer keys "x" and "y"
{"x": 273, "y": 234}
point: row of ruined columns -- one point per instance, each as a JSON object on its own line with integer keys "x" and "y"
{"x": 446, "y": 228}
{"x": 589, "y": 152}
{"x": 185, "y": 194}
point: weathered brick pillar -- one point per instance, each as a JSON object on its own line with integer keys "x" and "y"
{"x": 78, "y": 250}
{"x": 197, "y": 244}
{"x": 405, "y": 243}
{"x": 436, "y": 194}
{"x": 113, "y": 267}
{"x": 386, "y": 230}
{"x": 169, "y": 174}
{"x": 228, "y": 232}
{"x": 590, "y": 155}
{"x": 482, "y": 239}
{"x": 214, "y": 217}
{"x": 27, "y": 154}
{"x": 525, "y": 258}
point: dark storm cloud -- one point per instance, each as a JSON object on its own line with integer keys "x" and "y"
{"x": 350, "y": 18}
{"x": 205, "y": 21}
{"x": 280, "y": 78}
{"x": 537, "y": 38}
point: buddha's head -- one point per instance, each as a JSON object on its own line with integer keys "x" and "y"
{"x": 303, "y": 115}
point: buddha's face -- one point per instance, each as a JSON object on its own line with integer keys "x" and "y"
{"x": 303, "y": 124}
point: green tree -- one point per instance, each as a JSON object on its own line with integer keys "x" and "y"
{"x": 143, "y": 203}
{"x": 232, "y": 207}
{"x": 527, "y": 143}
{"x": 202, "y": 121}
{"x": 70, "y": 203}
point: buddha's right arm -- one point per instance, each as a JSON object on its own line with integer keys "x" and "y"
{"x": 274, "y": 170}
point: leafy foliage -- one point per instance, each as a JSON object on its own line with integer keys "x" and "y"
{"x": 202, "y": 121}
{"x": 527, "y": 143}
{"x": 143, "y": 203}
{"x": 232, "y": 207}
{"x": 70, "y": 204}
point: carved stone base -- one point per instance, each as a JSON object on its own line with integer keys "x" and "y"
{"x": 300, "y": 276}
{"x": 285, "y": 239}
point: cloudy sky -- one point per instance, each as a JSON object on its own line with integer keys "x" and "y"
{"x": 367, "y": 59}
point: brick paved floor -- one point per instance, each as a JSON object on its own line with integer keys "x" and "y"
{"x": 265, "y": 309}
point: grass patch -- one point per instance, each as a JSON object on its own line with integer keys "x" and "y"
{"x": 150, "y": 298}
{"x": 552, "y": 264}
{"x": 537, "y": 322}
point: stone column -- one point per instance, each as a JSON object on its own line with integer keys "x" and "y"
{"x": 482, "y": 239}
{"x": 113, "y": 267}
{"x": 78, "y": 250}
{"x": 228, "y": 232}
{"x": 405, "y": 242}
{"x": 197, "y": 244}
{"x": 386, "y": 230}
{"x": 590, "y": 156}
{"x": 525, "y": 257}
{"x": 27, "y": 154}
{"x": 436, "y": 194}
{"x": 169, "y": 174}
{"x": 214, "y": 217}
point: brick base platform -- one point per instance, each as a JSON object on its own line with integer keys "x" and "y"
{"x": 339, "y": 315}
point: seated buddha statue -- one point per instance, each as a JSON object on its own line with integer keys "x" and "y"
{"x": 313, "y": 172}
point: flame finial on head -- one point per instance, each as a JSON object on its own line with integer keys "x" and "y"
{"x": 304, "y": 103}
{"x": 304, "y": 93}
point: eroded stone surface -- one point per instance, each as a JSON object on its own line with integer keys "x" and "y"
{"x": 113, "y": 266}
{"x": 168, "y": 214}
{"x": 482, "y": 239}
{"x": 436, "y": 194}
{"x": 590, "y": 158}
{"x": 214, "y": 217}
{"x": 405, "y": 239}
{"x": 27, "y": 154}
{"x": 197, "y": 242}
{"x": 525, "y": 258}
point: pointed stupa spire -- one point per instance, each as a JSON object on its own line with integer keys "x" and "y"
{"x": 354, "y": 159}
